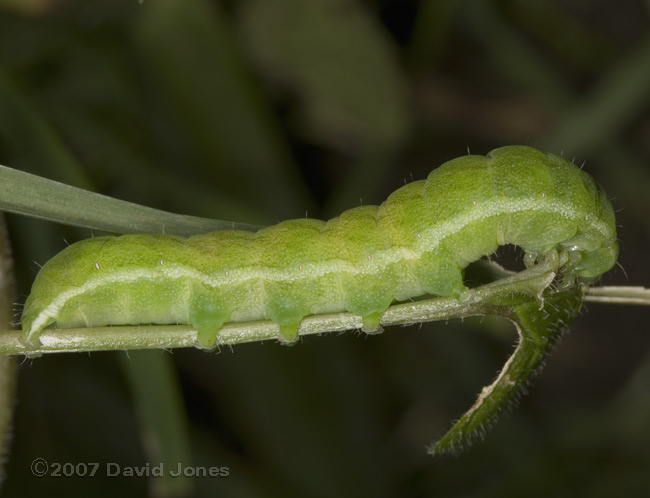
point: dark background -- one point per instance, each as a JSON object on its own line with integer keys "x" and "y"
{"x": 258, "y": 111}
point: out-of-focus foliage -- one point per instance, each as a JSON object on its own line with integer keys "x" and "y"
{"x": 8, "y": 364}
{"x": 257, "y": 111}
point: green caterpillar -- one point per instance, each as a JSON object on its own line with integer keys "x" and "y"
{"x": 417, "y": 242}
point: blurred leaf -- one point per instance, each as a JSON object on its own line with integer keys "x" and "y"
{"x": 8, "y": 364}
{"x": 161, "y": 409}
{"x": 578, "y": 45}
{"x": 28, "y": 6}
{"x": 194, "y": 64}
{"x": 599, "y": 118}
{"x": 151, "y": 182}
{"x": 338, "y": 63}
{"x": 432, "y": 27}
{"x": 519, "y": 60}
{"x": 346, "y": 87}
{"x": 31, "y": 140}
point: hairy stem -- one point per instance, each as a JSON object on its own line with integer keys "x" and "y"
{"x": 533, "y": 281}
{"x": 539, "y": 311}
{"x": 538, "y": 329}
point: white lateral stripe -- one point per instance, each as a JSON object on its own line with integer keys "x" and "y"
{"x": 428, "y": 242}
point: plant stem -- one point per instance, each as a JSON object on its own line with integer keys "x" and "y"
{"x": 613, "y": 294}
{"x": 532, "y": 281}
{"x": 539, "y": 311}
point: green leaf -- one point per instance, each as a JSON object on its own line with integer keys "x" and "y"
{"x": 31, "y": 195}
